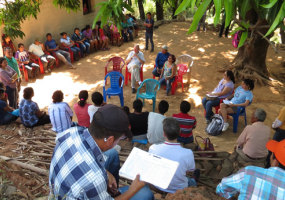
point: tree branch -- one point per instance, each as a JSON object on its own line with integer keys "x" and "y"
{"x": 268, "y": 41}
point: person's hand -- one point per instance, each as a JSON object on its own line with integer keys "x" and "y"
{"x": 137, "y": 184}
{"x": 43, "y": 112}
{"x": 103, "y": 104}
{"x": 158, "y": 70}
{"x": 15, "y": 76}
{"x": 26, "y": 62}
{"x": 112, "y": 183}
{"x": 231, "y": 105}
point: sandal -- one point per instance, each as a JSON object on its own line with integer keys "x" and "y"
{"x": 72, "y": 67}
{"x": 103, "y": 49}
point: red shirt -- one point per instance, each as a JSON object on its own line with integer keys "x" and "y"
{"x": 187, "y": 123}
{"x": 82, "y": 115}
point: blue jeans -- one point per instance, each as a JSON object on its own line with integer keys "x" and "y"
{"x": 149, "y": 36}
{"x": 208, "y": 105}
{"x": 12, "y": 96}
{"x": 185, "y": 140}
{"x": 76, "y": 52}
{"x": 7, "y": 119}
{"x": 143, "y": 194}
{"x": 167, "y": 83}
{"x": 191, "y": 182}
{"x": 125, "y": 35}
{"x": 154, "y": 72}
{"x": 84, "y": 48}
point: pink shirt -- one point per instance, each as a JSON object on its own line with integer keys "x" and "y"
{"x": 82, "y": 115}
{"x": 253, "y": 139}
{"x": 114, "y": 28}
{"x": 87, "y": 34}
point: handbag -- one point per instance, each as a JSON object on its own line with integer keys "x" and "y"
{"x": 205, "y": 145}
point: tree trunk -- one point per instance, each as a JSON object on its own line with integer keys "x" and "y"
{"x": 159, "y": 11}
{"x": 250, "y": 61}
{"x": 174, "y": 9}
{"x": 141, "y": 9}
{"x": 282, "y": 33}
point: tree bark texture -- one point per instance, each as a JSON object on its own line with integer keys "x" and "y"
{"x": 159, "y": 11}
{"x": 174, "y": 9}
{"x": 282, "y": 33}
{"x": 141, "y": 9}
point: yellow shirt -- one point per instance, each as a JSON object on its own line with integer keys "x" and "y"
{"x": 281, "y": 117}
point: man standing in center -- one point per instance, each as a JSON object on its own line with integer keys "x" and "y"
{"x": 149, "y": 22}
{"x": 135, "y": 60}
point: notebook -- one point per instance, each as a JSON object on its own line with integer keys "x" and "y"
{"x": 152, "y": 169}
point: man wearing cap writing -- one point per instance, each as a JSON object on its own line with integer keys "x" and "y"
{"x": 84, "y": 165}
{"x": 256, "y": 182}
{"x": 161, "y": 58}
{"x": 37, "y": 51}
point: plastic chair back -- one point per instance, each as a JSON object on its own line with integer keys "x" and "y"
{"x": 182, "y": 69}
{"x": 186, "y": 60}
{"x": 118, "y": 63}
{"x": 115, "y": 79}
{"x": 151, "y": 84}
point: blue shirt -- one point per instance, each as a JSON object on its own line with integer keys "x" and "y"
{"x": 241, "y": 96}
{"x": 130, "y": 21}
{"x": 2, "y": 111}
{"x": 254, "y": 183}
{"x": 77, "y": 167}
{"x": 28, "y": 111}
{"x": 149, "y": 29}
{"x": 161, "y": 59}
{"x": 51, "y": 44}
{"x": 124, "y": 25}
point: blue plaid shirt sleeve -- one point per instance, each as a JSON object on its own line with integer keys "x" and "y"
{"x": 231, "y": 185}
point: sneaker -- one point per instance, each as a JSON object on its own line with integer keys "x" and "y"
{"x": 146, "y": 49}
{"x": 226, "y": 125}
{"x": 196, "y": 174}
{"x": 133, "y": 90}
{"x": 208, "y": 121}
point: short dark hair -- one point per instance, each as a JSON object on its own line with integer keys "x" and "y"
{"x": 83, "y": 96}
{"x": 163, "y": 106}
{"x": 173, "y": 57}
{"x": 2, "y": 90}
{"x": 280, "y": 165}
{"x": 1, "y": 84}
{"x": 171, "y": 128}
{"x": 100, "y": 132}
{"x": 63, "y": 33}
{"x": 21, "y": 44}
{"x": 97, "y": 98}
{"x": 138, "y": 105}
{"x": 249, "y": 82}
{"x": 185, "y": 107}
{"x": 148, "y": 13}
{"x": 76, "y": 29}
{"x": 7, "y": 48}
{"x": 87, "y": 26}
{"x": 57, "y": 96}
{"x": 2, "y": 59}
{"x": 126, "y": 109}
{"x": 48, "y": 34}
{"x": 28, "y": 92}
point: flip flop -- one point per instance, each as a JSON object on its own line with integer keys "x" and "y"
{"x": 72, "y": 67}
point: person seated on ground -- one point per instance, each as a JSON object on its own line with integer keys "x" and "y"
{"x": 7, "y": 42}
{"x": 251, "y": 144}
{"x": 91, "y": 155}
{"x": 30, "y": 113}
{"x": 60, "y": 113}
{"x": 242, "y": 97}
{"x": 132, "y": 24}
{"x": 7, "y": 113}
{"x": 224, "y": 89}
{"x": 126, "y": 31}
{"x": 104, "y": 39}
{"x": 168, "y": 73}
{"x": 254, "y": 182}
{"x": 134, "y": 61}
{"x": 81, "y": 109}
{"x": 186, "y": 122}
{"x": 9, "y": 78}
{"x": 67, "y": 42}
{"x": 126, "y": 109}
{"x": 90, "y": 37}
{"x": 23, "y": 58}
{"x": 62, "y": 55}
{"x": 138, "y": 121}
{"x": 98, "y": 101}
{"x": 155, "y": 129}
{"x": 36, "y": 50}
{"x": 80, "y": 39}
{"x": 161, "y": 58}
{"x": 172, "y": 150}
{"x": 5, "y": 98}
{"x": 115, "y": 33}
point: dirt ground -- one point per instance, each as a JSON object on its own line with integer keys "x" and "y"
{"x": 209, "y": 53}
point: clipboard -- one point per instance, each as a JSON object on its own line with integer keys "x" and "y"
{"x": 152, "y": 168}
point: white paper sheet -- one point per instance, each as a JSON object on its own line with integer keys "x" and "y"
{"x": 211, "y": 95}
{"x": 152, "y": 169}
{"x": 227, "y": 102}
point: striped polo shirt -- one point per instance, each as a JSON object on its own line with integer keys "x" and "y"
{"x": 60, "y": 116}
{"x": 187, "y": 123}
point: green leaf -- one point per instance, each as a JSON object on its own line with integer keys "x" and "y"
{"x": 245, "y": 24}
{"x": 245, "y": 6}
{"x": 182, "y": 6}
{"x": 128, "y": 7}
{"x": 279, "y": 18}
{"x": 218, "y": 7}
{"x": 229, "y": 11}
{"x": 237, "y": 29}
{"x": 198, "y": 15}
{"x": 270, "y": 5}
{"x": 192, "y": 4}
{"x": 282, "y": 26}
{"x": 242, "y": 39}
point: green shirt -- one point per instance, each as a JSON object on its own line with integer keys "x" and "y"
{"x": 124, "y": 25}
{"x": 13, "y": 63}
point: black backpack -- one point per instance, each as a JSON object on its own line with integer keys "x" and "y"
{"x": 215, "y": 126}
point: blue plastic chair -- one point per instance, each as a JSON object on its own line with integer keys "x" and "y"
{"x": 116, "y": 89}
{"x": 150, "y": 92}
{"x": 240, "y": 112}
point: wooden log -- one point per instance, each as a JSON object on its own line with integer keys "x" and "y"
{"x": 26, "y": 166}
{"x": 40, "y": 154}
{"x": 208, "y": 184}
{"x": 124, "y": 154}
{"x": 209, "y": 151}
{"x": 39, "y": 138}
{"x": 205, "y": 158}
{"x": 49, "y": 132}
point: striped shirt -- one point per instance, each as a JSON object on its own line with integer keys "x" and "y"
{"x": 254, "y": 183}
{"x": 187, "y": 123}
{"x": 60, "y": 116}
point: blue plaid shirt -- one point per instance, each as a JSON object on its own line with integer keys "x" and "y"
{"x": 77, "y": 167}
{"x": 254, "y": 183}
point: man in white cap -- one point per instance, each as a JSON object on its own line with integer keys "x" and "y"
{"x": 161, "y": 58}
{"x": 135, "y": 60}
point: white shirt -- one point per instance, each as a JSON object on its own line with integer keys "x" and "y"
{"x": 91, "y": 111}
{"x": 60, "y": 116}
{"x": 135, "y": 60}
{"x": 185, "y": 158}
{"x": 66, "y": 41}
{"x": 36, "y": 49}
{"x": 155, "y": 128}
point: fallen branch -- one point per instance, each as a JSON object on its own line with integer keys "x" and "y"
{"x": 208, "y": 184}
{"x": 41, "y": 154}
{"x": 205, "y": 158}
{"x": 276, "y": 50}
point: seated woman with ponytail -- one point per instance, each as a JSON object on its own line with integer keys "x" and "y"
{"x": 241, "y": 98}
{"x": 81, "y": 109}
{"x": 223, "y": 90}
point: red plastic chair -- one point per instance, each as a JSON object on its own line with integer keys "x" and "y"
{"x": 39, "y": 62}
{"x": 77, "y": 45}
{"x": 56, "y": 58}
{"x": 153, "y": 77}
{"x": 128, "y": 75}
{"x": 118, "y": 64}
{"x": 25, "y": 71}
{"x": 70, "y": 52}
{"x": 181, "y": 70}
